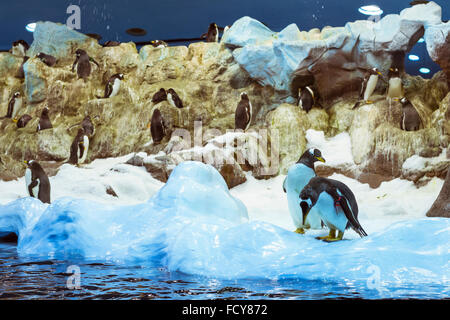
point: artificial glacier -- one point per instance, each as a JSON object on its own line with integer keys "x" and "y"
{"x": 194, "y": 225}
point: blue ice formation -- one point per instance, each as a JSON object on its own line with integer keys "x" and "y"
{"x": 194, "y": 225}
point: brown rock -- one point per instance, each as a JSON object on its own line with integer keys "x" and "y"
{"x": 441, "y": 207}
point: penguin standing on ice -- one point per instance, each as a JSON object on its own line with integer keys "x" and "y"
{"x": 79, "y": 148}
{"x": 83, "y": 63}
{"x": 159, "y": 96}
{"x": 213, "y": 33}
{"x": 395, "y": 89}
{"x": 157, "y": 127}
{"x": 368, "y": 86}
{"x": 306, "y": 98}
{"x": 37, "y": 183}
{"x": 44, "y": 121}
{"x": 113, "y": 85}
{"x": 174, "y": 99}
{"x": 297, "y": 178}
{"x": 14, "y": 105}
{"x": 243, "y": 114}
{"x": 47, "y": 59}
{"x": 410, "y": 117}
{"x": 20, "y": 48}
{"x": 335, "y": 204}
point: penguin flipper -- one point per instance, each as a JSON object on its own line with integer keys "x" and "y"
{"x": 354, "y": 223}
{"x": 31, "y": 186}
{"x": 356, "y": 105}
{"x": 284, "y": 185}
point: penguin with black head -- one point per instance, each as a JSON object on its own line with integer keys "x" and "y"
{"x": 306, "y": 98}
{"x": 243, "y": 113}
{"x": 368, "y": 86}
{"x": 159, "y": 96}
{"x": 47, "y": 59}
{"x": 44, "y": 121}
{"x": 79, "y": 148}
{"x": 158, "y": 44}
{"x": 88, "y": 126}
{"x": 334, "y": 203}
{"x": 410, "y": 117}
{"x": 20, "y": 48}
{"x": 37, "y": 182}
{"x": 213, "y": 33}
{"x": 14, "y": 105}
{"x": 113, "y": 85}
{"x": 395, "y": 89}
{"x": 157, "y": 127}
{"x": 174, "y": 99}
{"x": 83, "y": 64}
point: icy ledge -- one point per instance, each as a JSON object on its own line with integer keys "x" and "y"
{"x": 194, "y": 225}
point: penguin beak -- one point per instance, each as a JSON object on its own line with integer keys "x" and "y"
{"x": 320, "y": 159}
{"x": 379, "y": 73}
{"x": 15, "y": 120}
{"x": 148, "y": 125}
{"x": 25, "y": 161}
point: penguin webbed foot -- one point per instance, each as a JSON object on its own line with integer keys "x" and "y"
{"x": 300, "y": 231}
{"x": 331, "y": 237}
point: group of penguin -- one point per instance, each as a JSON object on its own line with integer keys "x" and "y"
{"x": 410, "y": 120}
{"x": 317, "y": 201}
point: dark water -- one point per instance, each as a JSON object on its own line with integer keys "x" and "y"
{"x": 47, "y": 279}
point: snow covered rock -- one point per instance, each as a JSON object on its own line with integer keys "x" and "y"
{"x": 441, "y": 207}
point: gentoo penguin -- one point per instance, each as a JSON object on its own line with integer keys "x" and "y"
{"x": 20, "y": 73}
{"x": 226, "y": 29}
{"x": 335, "y": 204}
{"x": 297, "y": 178}
{"x": 159, "y": 96}
{"x": 243, "y": 114}
{"x": 79, "y": 148}
{"x": 305, "y": 98}
{"x": 368, "y": 86}
{"x": 157, "y": 127}
{"x": 44, "y": 121}
{"x": 213, "y": 33}
{"x": 158, "y": 44}
{"x": 37, "y": 183}
{"x": 113, "y": 85}
{"x": 20, "y": 48}
{"x": 174, "y": 99}
{"x": 22, "y": 121}
{"x": 83, "y": 64}
{"x": 14, "y": 105}
{"x": 410, "y": 117}
{"x": 47, "y": 59}
{"x": 88, "y": 126}
{"x": 395, "y": 89}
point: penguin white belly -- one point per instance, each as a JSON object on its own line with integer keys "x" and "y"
{"x": 250, "y": 115}
{"x": 332, "y": 217}
{"x": 395, "y": 88}
{"x": 18, "y": 50}
{"x": 28, "y": 179}
{"x": 297, "y": 178}
{"x": 35, "y": 190}
{"x": 16, "y": 107}
{"x": 86, "y": 148}
{"x": 371, "y": 85}
{"x": 116, "y": 88}
{"x": 170, "y": 99}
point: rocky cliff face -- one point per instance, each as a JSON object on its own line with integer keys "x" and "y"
{"x": 209, "y": 78}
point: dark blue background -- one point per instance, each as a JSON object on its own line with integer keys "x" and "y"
{"x": 168, "y": 19}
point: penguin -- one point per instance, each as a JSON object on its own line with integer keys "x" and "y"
{"x": 243, "y": 114}
{"x": 410, "y": 117}
{"x": 305, "y": 98}
{"x": 47, "y": 59}
{"x": 157, "y": 127}
{"x": 88, "y": 126}
{"x": 213, "y": 33}
{"x": 111, "y": 44}
{"x": 20, "y": 48}
{"x": 44, "y": 121}
{"x": 20, "y": 73}
{"x": 226, "y": 29}
{"x": 335, "y": 204}
{"x": 22, "y": 121}
{"x": 297, "y": 178}
{"x": 37, "y": 183}
{"x": 83, "y": 64}
{"x": 113, "y": 85}
{"x": 158, "y": 44}
{"x": 14, "y": 105}
{"x": 79, "y": 148}
{"x": 368, "y": 86}
{"x": 395, "y": 89}
{"x": 159, "y": 96}
{"x": 174, "y": 99}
